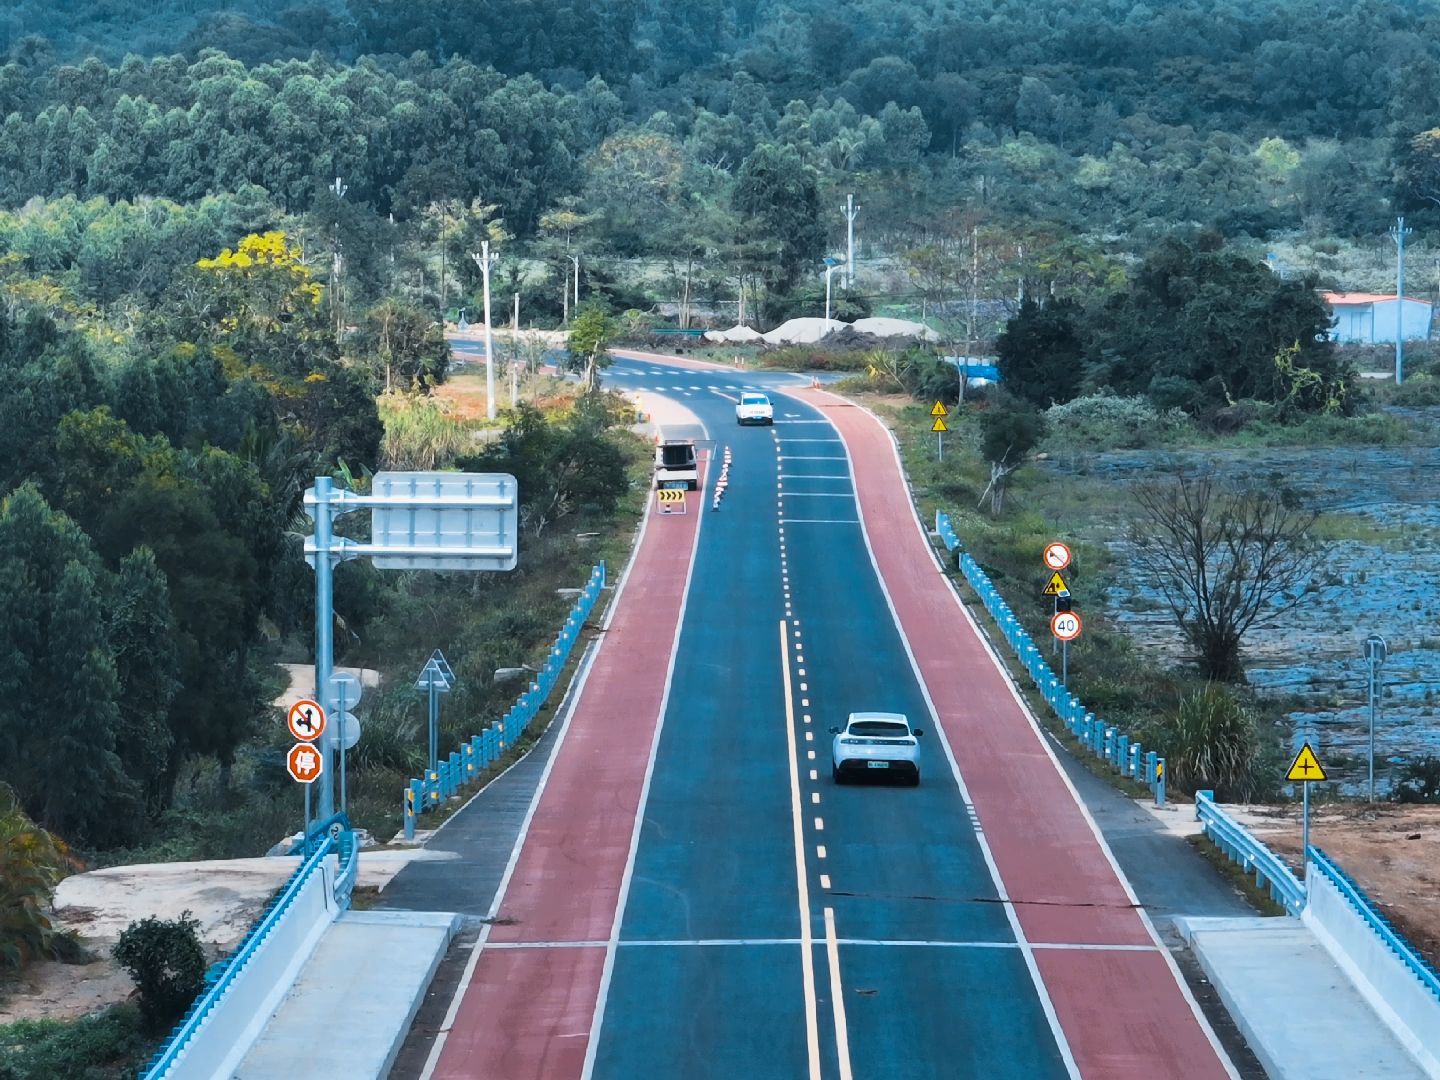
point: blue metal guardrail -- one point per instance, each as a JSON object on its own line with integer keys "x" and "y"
{"x": 333, "y": 826}
{"x": 479, "y": 752}
{"x": 1122, "y": 753}
{"x": 1241, "y": 848}
{"x": 225, "y": 971}
{"x": 1377, "y": 922}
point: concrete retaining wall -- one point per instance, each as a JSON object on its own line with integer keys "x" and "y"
{"x": 266, "y": 976}
{"x": 1357, "y": 939}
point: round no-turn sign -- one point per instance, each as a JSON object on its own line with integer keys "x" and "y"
{"x": 306, "y": 720}
{"x": 1066, "y": 625}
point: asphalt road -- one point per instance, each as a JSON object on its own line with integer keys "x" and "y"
{"x": 694, "y": 897}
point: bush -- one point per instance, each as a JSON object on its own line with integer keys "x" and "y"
{"x": 106, "y": 1046}
{"x": 1210, "y": 741}
{"x": 1419, "y": 782}
{"x": 167, "y": 962}
{"x": 1417, "y": 390}
{"x": 1104, "y": 422}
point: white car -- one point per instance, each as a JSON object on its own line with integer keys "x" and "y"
{"x": 876, "y": 744}
{"x": 754, "y": 408}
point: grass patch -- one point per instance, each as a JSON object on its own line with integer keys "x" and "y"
{"x": 108, "y": 1045}
{"x": 1351, "y": 528}
{"x": 1257, "y": 897}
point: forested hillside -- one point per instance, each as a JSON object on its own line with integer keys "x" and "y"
{"x": 1106, "y": 116}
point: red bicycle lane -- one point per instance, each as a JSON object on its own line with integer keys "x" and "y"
{"x": 526, "y": 1004}
{"x": 1122, "y": 1006}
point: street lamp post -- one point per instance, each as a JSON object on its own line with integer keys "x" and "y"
{"x": 1398, "y": 232}
{"x": 482, "y": 260}
{"x": 831, "y": 265}
{"x": 576, "y": 260}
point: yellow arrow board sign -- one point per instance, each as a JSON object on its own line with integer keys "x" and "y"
{"x": 671, "y": 495}
{"x": 1307, "y": 768}
{"x": 1055, "y": 586}
{"x": 939, "y": 425}
{"x": 938, "y": 409}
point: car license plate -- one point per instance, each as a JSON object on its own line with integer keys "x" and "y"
{"x": 878, "y": 764}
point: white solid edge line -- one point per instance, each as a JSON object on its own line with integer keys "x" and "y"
{"x": 1035, "y": 727}
{"x": 1047, "y": 1006}
{"x": 433, "y": 1058}
{"x": 602, "y": 996}
{"x": 837, "y": 998}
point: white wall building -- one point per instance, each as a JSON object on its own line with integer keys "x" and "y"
{"x": 1373, "y": 318}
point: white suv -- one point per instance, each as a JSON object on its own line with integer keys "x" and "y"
{"x": 876, "y": 744}
{"x": 754, "y": 408}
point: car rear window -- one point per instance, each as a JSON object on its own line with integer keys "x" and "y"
{"x": 754, "y": 399}
{"x": 879, "y": 727}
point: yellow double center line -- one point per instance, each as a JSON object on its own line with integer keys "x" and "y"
{"x": 802, "y": 881}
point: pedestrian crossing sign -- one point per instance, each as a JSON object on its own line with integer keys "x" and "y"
{"x": 1306, "y": 768}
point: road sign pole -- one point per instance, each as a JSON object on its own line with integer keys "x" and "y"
{"x": 434, "y": 692}
{"x": 324, "y": 641}
{"x": 305, "y": 836}
{"x": 342, "y": 704}
{"x": 939, "y": 446}
{"x": 1372, "y": 728}
{"x": 1305, "y": 832}
{"x": 1054, "y": 610}
{"x": 1065, "y": 664}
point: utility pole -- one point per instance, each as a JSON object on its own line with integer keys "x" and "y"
{"x": 482, "y": 260}
{"x": 1398, "y": 234}
{"x": 339, "y": 189}
{"x": 576, "y": 260}
{"x": 515, "y": 352}
{"x": 850, "y": 212}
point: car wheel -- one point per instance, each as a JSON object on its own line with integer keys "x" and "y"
{"x": 914, "y": 780}
{"x": 835, "y": 774}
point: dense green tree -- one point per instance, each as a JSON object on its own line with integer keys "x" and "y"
{"x": 1041, "y": 352}
{"x": 561, "y": 466}
{"x": 88, "y": 796}
{"x": 403, "y": 346}
{"x": 587, "y": 348}
{"x": 147, "y": 666}
{"x": 1009, "y": 429}
{"x": 776, "y": 192}
{"x": 1201, "y": 326}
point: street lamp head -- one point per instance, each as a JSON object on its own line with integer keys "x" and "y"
{"x": 831, "y": 262}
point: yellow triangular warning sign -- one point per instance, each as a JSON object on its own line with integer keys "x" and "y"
{"x": 1307, "y": 768}
{"x": 1055, "y": 586}
{"x": 938, "y": 409}
{"x": 939, "y": 425}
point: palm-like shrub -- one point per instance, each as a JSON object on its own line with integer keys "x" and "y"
{"x": 32, "y": 862}
{"x": 1210, "y": 741}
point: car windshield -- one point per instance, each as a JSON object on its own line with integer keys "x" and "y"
{"x": 884, "y": 728}
{"x": 754, "y": 399}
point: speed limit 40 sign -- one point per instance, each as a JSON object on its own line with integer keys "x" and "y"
{"x": 1065, "y": 625}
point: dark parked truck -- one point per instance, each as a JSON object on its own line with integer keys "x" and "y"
{"x": 675, "y": 465}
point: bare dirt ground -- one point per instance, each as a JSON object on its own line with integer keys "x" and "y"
{"x": 223, "y": 896}
{"x": 1392, "y": 851}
